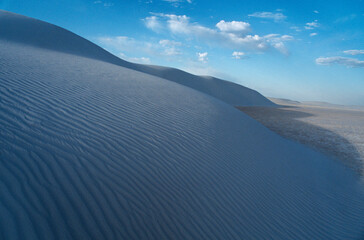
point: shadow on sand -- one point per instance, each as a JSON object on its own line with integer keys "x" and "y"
{"x": 287, "y": 121}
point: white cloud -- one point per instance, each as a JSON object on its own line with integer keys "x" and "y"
{"x": 313, "y": 34}
{"x": 281, "y": 48}
{"x": 201, "y": 69}
{"x": 277, "y": 17}
{"x": 163, "y": 48}
{"x": 286, "y": 38}
{"x": 228, "y": 34}
{"x": 121, "y": 43}
{"x": 234, "y": 26}
{"x": 316, "y": 11}
{"x": 349, "y": 62}
{"x": 255, "y": 42}
{"x": 152, "y": 23}
{"x": 180, "y": 24}
{"x": 202, "y": 57}
{"x": 238, "y": 55}
{"x": 143, "y": 60}
{"x": 354, "y": 52}
{"x": 311, "y": 25}
{"x": 277, "y": 41}
{"x": 170, "y": 47}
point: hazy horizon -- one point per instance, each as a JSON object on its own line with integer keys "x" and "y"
{"x": 310, "y": 51}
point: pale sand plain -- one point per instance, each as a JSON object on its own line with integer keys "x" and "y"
{"x": 335, "y": 130}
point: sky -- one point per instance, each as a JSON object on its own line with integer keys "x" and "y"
{"x": 300, "y": 50}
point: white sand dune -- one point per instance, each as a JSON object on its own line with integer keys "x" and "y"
{"x": 94, "y": 150}
{"x": 20, "y": 29}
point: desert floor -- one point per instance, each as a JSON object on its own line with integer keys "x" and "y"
{"x": 332, "y": 129}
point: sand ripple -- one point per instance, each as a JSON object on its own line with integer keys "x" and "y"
{"x": 91, "y": 150}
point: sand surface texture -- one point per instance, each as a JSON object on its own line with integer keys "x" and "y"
{"x": 335, "y": 130}
{"x": 95, "y": 150}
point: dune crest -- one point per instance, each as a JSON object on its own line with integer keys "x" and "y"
{"x": 30, "y": 31}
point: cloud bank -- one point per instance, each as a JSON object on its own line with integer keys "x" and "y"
{"x": 354, "y": 52}
{"x": 349, "y": 62}
{"x": 234, "y": 34}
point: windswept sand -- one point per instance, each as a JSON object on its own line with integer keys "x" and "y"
{"x": 93, "y": 150}
{"x": 334, "y": 130}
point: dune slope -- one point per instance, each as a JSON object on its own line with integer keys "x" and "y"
{"x": 24, "y": 30}
{"x": 92, "y": 150}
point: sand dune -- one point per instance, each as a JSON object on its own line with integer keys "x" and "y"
{"x": 93, "y": 150}
{"x": 29, "y": 31}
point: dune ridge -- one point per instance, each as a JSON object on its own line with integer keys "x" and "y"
{"x": 29, "y": 31}
{"x": 92, "y": 150}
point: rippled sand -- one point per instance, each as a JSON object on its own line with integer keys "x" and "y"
{"x": 93, "y": 150}
{"x": 332, "y": 129}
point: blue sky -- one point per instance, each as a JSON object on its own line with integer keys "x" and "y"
{"x": 301, "y": 50}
